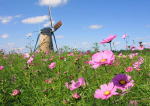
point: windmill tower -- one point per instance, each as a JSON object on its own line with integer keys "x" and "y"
{"x": 46, "y": 34}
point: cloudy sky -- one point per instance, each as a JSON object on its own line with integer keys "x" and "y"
{"x": 84, "y": 22}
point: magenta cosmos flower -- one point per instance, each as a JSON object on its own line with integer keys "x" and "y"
{"x": 101, "y": 58}
{"x": 52, "y": 65}
{"x": 123, "y": 81}
{"x": 109, "y": 39}
{"x": 106, "y": 91}
{"x": 1, "y": 67}
{"x": 16, "y": 92}
{"x": 74, "y": 85}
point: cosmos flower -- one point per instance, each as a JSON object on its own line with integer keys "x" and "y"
{"x": 26, "y": 55}
{"x": 1, "y": 67}
{"x": 102, "y": 58}
{"x": 76, "y": 96}
{"x": 136, "y": 65}
{"x": 141, "y": 60}
{"x": 52, "y": 65}
{"x": 108, "y": 39}
{"x": 105, "y": 91}
{"x": 123, "y": 81}
{"x": 132, "y": 48}
{"x": 16, "y": 92}
{"x": 129, "y": 69}
{"x": 120, "y": 54}
{"x": 70, "y": 54}
{"x": 48, "y": 81}
{"x": 30, "y": 60}
{"x": 131, "y": 56}
{"x": 74, "y": 85}
{"x": 124, "y": 36}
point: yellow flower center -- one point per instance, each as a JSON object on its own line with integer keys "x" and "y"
{"x": 106, "y": 93}
{"x": 103, "y": 60}
{"x": 122, "y": 82}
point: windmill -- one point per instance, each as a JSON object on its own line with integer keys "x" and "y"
{"x": 44, "y": 40}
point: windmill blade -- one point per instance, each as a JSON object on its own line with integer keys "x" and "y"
{"x": 57, "y": 25}
{"x": 36, "y": 42}
{"x": 55, "y": 40}
{"x": 50, "y": 17}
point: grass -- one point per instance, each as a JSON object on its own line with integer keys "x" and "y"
{"x": 30, "y": 80}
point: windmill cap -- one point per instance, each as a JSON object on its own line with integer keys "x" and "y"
{"x": 46, "y": 31}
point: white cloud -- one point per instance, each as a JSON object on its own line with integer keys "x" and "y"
{"x": 29, "y": 34}
{"x": 52, "y": 3}
{"x": 18, "y": 16}
{"x": 4, "y": 36}
{"x": 6, "y": 19}
{"x": 35, "y": 20}
{"x": 11, "y": 44}
{"x": 142, "y": 38}
{"x": 96, "y": 26}
{"x": 146, "y": 43}
{"x": 59, "y": 36}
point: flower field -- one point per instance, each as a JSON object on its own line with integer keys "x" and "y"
{"x": 75, "y": 78}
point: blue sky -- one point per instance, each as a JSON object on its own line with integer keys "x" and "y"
{"x": 84, "y": 21}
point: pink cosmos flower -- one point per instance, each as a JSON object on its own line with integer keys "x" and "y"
{"x": 124, "y": 36}
{"x": 140, "y": 48}
{"x": 48, "y": 81}
{"x": 1, "y": 67}
{"x": 37, "y": 51}
{"x": 132, "y": 48}
{"x": 123, "y": 81}
{"x": 141, "y": 60}
{"x": 70, "y": 54}
{"x": 129, "y": 69}
{"x": 52, "y": 65}
{"x": 47, "y": 52}
{"x": 131, "y": 56}
{"x": 26, "y": 55}
{"x": 120, "y": 54}
{"x": 106, "y": 91}
{"x": 30, "y": 60}
{"x": 101, "y": 58}
{"x": 88, "y": 52}
{"x": 133, "y": 103}
{"x": 136, "y": 65}
{"x": 76, "y": 96}
{"x": 16, "y": 92}
{"x": 74, "y": 85}
{"x": 108, "y": 39}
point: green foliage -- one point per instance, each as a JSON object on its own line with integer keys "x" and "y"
{"x": 30, "y": 79}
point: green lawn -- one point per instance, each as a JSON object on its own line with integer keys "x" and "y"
{"x": 30, "y": 80}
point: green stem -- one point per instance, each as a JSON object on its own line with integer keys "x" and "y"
{"x": 110, "y": 46}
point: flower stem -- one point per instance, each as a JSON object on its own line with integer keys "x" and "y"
{"x": 110, "y": 46}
